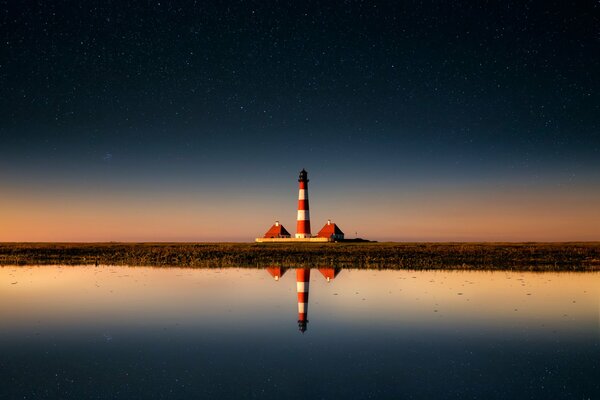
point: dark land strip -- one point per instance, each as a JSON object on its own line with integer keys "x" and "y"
{"x": 476, "y": 256}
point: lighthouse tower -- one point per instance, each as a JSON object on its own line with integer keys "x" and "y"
{"x": 303, "y": 226}
{"x": 302, "y": 280}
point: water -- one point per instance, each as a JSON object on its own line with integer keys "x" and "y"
{"x": 151, "y": 333}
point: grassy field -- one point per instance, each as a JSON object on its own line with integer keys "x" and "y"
{"x": 483, "y": 256}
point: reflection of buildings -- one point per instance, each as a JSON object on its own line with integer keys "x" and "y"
{"x": 276, "y": 272}
{"x": 302, "y": 286}
{"x": 329, "y": 273}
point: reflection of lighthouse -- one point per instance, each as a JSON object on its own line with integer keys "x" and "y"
{"x": 303, "y": 225}
{"x": 302, "y": 281}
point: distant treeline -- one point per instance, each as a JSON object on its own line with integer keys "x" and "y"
{"x": 485, "y": 256}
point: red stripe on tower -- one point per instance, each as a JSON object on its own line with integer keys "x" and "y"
{"x": 303, "y": 225}
{"x": 302, "y": 280}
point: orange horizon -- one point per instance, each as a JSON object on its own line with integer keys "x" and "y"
{"x": 447, "y": 214}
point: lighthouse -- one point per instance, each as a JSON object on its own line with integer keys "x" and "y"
{"x": 278, "y": 234}
{"x": 303, "y": 225}
{"x": 302, "y": 281}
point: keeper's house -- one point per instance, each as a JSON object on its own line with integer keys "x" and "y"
{"x": 331, "y": 231}
{"x": 277, "y": 231}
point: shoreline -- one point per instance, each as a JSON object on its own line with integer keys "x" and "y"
{"x": 565, "y": 256}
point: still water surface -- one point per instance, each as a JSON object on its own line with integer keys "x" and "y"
{"x": 147, "y": 333}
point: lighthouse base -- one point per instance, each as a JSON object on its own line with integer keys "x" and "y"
{"x": 294, "y": 240}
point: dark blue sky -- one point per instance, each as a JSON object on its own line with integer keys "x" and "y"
{"x": 153, "y": 96}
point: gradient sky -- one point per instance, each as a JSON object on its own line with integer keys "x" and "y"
{"x": 415, "y": 120}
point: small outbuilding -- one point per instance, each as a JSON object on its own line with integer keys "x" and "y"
{"x": 331, "y": 231}
{"x": 277, "y": 231}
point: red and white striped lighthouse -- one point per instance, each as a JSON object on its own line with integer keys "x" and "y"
{"x": 303, "y": 225}
{"x": 302, "y": 280}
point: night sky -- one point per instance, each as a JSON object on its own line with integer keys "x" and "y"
{"x": 433, "y": 120}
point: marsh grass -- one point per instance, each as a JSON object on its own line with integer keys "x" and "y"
{"x": 482, "y": 256}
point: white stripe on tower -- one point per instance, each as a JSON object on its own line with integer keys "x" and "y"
{"x": 302, "y": 286}
{"x": 303, "y": 221}
{"x": 302, "y": 280}
{"x": 303, "y": 215}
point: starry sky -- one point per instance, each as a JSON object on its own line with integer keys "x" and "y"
{"x": 168, "y": 121}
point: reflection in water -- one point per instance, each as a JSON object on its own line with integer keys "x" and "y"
{"x": 302, "y": 284}
{"x": 186, "y": 333}
{"x": 302, "y": 287}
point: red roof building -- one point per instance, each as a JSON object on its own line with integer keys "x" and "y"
{"x": 277, "y": 231}
{"x": 332, "y": 231}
